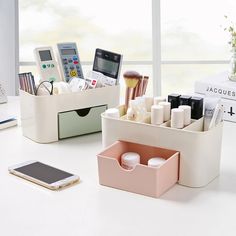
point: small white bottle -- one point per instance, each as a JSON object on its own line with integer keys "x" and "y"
{"x": 187, "y": 114}
{"x": 156, "y": 161}
{"x": 177, "y": 118}
{"x": 148, "y": 103}
{"x": 129, "y": 160}
{"x": 112, "y": 112}
{"x": 159, "y": 99}
{"x": 166, "y": 106}
{"x": 157, "y": 114}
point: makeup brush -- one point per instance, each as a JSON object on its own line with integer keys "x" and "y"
{"x": 145, "y": 83}
{"x": 136, "y": 92}
{"x": 131, "y": 80}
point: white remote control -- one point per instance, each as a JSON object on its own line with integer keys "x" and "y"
{"x": 46, "y": 63}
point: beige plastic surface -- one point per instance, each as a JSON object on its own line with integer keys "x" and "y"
{"x": 71, "y": 123}
{"x": 39, "y": 114}
{"x": 142, "y": 179}
{"x": 200, "y": 151}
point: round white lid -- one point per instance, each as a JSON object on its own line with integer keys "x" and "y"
{"x": 130, "y": 158}
{"x": 156, "y": 161}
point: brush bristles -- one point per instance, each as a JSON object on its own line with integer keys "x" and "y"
{"x": 131, "y": 82}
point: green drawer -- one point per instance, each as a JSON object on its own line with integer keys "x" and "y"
{"x": 78, "y": 122}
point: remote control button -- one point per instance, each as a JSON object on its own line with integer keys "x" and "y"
{"x": 44, "y": 66}
{"x": 52, "y": 79}
{"x": 76, "y": 62}
{"x": 73, "y": 73}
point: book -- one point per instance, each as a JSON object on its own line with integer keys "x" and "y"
{"x": 7, "y": 120}
{"x": 27, "y": 82}
{"x": 229, "y": 109}
{"x": 218, "y": 85}
{"x": 228, "y": 105}
{"x": 7, "y": 124}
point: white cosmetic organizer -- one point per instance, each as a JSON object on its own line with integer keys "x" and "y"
{"x": 200, "y": 151}
{"x": 44, "y": 119}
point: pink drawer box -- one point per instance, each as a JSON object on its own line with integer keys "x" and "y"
{"x": 149, "y": 181}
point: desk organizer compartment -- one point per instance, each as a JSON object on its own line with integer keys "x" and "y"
{"x": 200, "y": 151}
{"x": 146, "y": 119}
{"x": 149, "y": 181}
{"x": 81, "y": 121}
{"x": 46, "y": 119}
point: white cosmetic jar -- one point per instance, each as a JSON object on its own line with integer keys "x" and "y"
{"x": 166, "y": 107}
{"x": 157, "y": 114}
{"x": 156, "y": 161}
{"x": 129, "y": 160}
{"x": 112, "y": 112}
{"x": 177, "y": 118}
{"x": 187, "y": 114}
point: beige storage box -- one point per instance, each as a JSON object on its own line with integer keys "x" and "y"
{"x": 200, "y": 151}
{"x": 46, "y": 119}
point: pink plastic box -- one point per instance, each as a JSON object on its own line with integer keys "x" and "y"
{"x": 149, "y": 181}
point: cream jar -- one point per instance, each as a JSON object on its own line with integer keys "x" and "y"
{"x": 129, "y": 160}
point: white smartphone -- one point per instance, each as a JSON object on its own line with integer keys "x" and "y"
{"x": 42, "y": 174}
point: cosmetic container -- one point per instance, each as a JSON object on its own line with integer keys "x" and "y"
{"x": 174, "y": 100}
{"x": 141, "y": 103}
{"x": 140, "y": 108}
{"x": 184, "y": 100}
{"x": 187, "y": 114}
{"x": 129, "y": 160}
{"x": 166, "y": 107}
{"x": 148, "y": 103}
{"x": 177, "y": 118}
{"x": 196, "y": 107}
{"x": 156, "y": 161}
{"x": 157, "y": 114}
{"x": 200, "y": 151}
{"x": 112, "y": 112}
{"x": 152, "y": 182}
{"x": 156, "y": 100}
{"x": 131, "y": 112}
{"x": 211, "y": 104}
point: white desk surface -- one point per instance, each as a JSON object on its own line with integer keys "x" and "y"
{"x": 88, "y": 209}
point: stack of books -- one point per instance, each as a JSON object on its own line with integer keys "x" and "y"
{"x": 7, "y": 120}
{"x": 27, "y": 82}
{"x": 220, "y": 86}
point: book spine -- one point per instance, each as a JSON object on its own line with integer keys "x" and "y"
{"x": 214, "y": 90}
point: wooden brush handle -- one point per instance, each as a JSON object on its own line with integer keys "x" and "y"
{"x": 132, "y": 93}
{"x": 127, "y": 97}
{"x": 136, "y": 90}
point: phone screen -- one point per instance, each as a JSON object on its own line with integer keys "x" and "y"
{"x": 44, "y": 173}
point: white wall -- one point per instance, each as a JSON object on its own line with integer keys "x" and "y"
{"x": 9, "y": 49}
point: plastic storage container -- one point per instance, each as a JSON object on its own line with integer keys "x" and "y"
{"x": 46, "y": 119}
{"x": 200, "y": 151}
{"x": 149, "y": 181}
